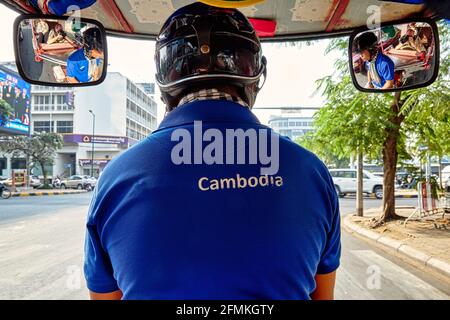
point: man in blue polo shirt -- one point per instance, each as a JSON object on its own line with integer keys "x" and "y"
{"x": 85, "y": 64}
{"x": 380, "y": 68}
{"x": 213, "y": 204}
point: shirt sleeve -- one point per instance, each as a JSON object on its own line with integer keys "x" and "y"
{"x": 98, "y": 270}
{"x": 331, "y": 255}
{"x": 70, "y": 71}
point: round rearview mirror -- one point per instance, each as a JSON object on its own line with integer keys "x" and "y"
{"x": 60, "y": 51}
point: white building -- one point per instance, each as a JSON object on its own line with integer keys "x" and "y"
{"x": 291, "y": 125}
{"x": 124, "y": 114}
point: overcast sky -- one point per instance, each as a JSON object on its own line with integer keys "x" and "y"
{"x": 292, "y": 71}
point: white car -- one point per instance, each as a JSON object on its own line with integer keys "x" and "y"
{"x": 89, "y": 181}
{"x": 79, "y": 182}
{"x": 445, "y": 174}
{"x": 34, "y": 182}
{"x": 345, "y": 182}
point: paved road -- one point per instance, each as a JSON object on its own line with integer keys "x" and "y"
{"x": 41, "y": 255}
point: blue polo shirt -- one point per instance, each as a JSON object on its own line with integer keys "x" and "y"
{"x": 385, "y": 69}
{"x": 160, "y": 230}
{"x": 78, "y": 66}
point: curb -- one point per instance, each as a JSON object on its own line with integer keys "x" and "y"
{"x": 45, "y": 193}
{"x": 408, "y": 196}
{"x": 400, "y": 247}
{"x": 397, "y": 196}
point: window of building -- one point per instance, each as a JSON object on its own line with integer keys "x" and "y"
{"x": 3, "y": 164}
{"x": 43, "y": 126}
{"x": 18, "y": 163}
{"x": 64, "y": 127}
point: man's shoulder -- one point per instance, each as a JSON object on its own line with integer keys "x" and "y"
{"x": 136, "y": 156}
{"x": 385, "y": 58}
{"x": 77, "y": 55}
{"x": 299, "y": 151}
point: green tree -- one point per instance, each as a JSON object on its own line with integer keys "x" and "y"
{"x": 381, "y": 124}
{"x": 40, "y": 148}
{"x": 6, "y": 112}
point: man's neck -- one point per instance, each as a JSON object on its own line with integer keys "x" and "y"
{"x": 211, "y": 94}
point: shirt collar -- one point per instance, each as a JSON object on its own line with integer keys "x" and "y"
{"x": 208, "y": 111}
{"x": 210, "y": 94}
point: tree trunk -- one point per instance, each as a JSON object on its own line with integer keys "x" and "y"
{"x": 44, "y": 173}
{"x": 390, "y": 156}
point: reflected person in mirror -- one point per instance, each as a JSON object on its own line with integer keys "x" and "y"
{"x": 380, "y": 68}
{"x": 57, "y": 35}
{"x": 86, "y": 64}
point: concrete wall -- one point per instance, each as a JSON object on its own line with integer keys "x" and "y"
{"x": 102, "y": 99}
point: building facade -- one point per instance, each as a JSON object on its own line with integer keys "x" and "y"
{"x": 97, "y": 123}
{"x": 291, "y": 125}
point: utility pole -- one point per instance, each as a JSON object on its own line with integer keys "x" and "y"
{"x": 359, "y": 190}
{"x": 92, "y": 141}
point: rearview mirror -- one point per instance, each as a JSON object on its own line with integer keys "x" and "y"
{"x": 60, "y": 51}
{"x": 395, "y": 57}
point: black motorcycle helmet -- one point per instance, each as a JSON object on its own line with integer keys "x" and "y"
{"x": 92, "y": 40}
{"x": 367, "y": 41}
{"x": 200, "y": 44}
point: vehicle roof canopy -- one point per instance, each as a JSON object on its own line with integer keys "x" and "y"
{"x": 295, "y": 19}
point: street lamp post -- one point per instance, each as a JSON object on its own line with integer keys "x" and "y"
{"x": 92, "y": 141}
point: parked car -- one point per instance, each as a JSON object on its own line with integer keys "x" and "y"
{"x": 78, "y": 182}
{"x": 34, "y": 182}
{"x": 90, "y": 182}
{"x": 345, "y": 182}
{"x": 445, "y": 174}
{"x": 447, "y": 196}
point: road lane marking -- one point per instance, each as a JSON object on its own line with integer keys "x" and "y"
{"x": 348, "y": 287}
{"x": 413, "y": 286}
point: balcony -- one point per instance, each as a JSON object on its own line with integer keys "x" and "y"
{"x": 46, "y": 108}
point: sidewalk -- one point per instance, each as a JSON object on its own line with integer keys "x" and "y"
{"x": 425, "y": 241}
{"x": 37, "y": 192}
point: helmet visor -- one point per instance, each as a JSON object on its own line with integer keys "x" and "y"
{"x": 229, "y": 54}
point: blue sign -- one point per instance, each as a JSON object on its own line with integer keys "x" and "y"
{"x": 15, "y": 92}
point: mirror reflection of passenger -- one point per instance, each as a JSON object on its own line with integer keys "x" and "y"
{"x": 86, "y": 64}
{"x": 407, "y": 40}
{"x": 414, "y": 42}
{"x": 422, "y": 41}
{"x": 57, "y": 35}
{"x": 380, "y": 68}
{"x": 41, "y": 28}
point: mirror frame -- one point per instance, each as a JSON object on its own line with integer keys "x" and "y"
{"x": 21, "y": 18}
{"x": 433, "y": 25}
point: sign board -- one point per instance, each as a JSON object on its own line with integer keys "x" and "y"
{"x": 97, "y": 162}
{"x": 80, "y": 138}
{"x": 15, "y": 95}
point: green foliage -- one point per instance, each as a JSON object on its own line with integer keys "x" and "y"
{"x": 40, "y": 148}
